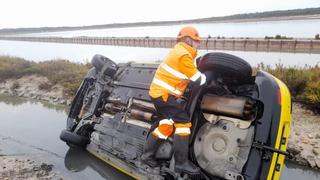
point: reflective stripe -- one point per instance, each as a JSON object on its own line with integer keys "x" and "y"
{"x": 195, "y": 76}
{"x": 166, "y": 86}
{"x": 159, "y": 134}
{"x": 166, "y": 121}
{"x": 173, "y": 71}
{"x": 182, "y": 131}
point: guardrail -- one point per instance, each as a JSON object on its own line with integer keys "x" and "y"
{"x": 259, "y": 45}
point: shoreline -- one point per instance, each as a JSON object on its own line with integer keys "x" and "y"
{"x": 14, "y": 31}
{"x": 304, "y": 141}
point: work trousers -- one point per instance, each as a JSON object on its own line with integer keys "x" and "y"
{"x": 174, "y": 118}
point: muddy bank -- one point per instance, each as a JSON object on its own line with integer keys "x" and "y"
{"x": 33, "y": 86}
{"x": 304, "y": 141}
{"x": 12, "y": 167}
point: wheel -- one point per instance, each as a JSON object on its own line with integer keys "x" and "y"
{"x": 103, "y": 63}
{"x": 231, "y": 69}
{"x": 73, "y": 139}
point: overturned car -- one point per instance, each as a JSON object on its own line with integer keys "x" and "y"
{"x": 241, "y": 121}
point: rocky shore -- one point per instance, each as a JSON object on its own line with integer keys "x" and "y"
{"x": 304, "y": 141}
{"x": 30, "y": 86}
{"x": 12, "y": 167}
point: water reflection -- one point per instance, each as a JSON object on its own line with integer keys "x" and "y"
{"x": 16, "y": 101}
{"x": 293, "y": 171}
{"x": 77, "y": 160}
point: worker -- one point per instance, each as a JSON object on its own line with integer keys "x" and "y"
{"x": 166, "y": 90}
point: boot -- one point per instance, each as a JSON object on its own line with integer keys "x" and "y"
{"x": 181, "y": 149}
{"x": 151, "y": 146}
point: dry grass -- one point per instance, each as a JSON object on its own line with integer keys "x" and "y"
{"x": 303, "y": 83}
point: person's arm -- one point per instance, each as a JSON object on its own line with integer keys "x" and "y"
{"x": 187, "y": 67}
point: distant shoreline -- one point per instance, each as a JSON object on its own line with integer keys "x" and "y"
{"x": 283, "y": 15}
{"x": 283, "y": 18}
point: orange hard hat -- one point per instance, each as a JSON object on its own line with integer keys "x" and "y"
{"x": 189, "y": 32}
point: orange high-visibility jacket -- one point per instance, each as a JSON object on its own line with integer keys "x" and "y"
{"x": 174, "y": 74}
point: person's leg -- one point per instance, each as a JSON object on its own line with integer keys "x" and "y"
{"x": 181, "y": 150}
{"x": 182, "y": 133}
{"x": 160, "y": 133}
{"x": 149, "y": 149}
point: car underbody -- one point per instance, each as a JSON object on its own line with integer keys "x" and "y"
{"x": 240, "y": 121}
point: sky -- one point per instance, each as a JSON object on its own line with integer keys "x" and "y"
{"x": 53, "y": 13}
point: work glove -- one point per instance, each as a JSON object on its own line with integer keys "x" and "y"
{"x": 203, "y": 79}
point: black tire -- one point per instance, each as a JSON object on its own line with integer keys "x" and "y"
{"x": 99, "y": 61}
{"x": 73, "y": 139}
{"x": 232, "y": 69}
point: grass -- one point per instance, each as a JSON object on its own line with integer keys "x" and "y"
{"x": 303, "y": 83}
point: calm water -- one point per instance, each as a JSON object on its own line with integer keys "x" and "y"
{"x": 32, "y": 128}
{"x": 83, "y": 53}
{"x": 293, "y": 28}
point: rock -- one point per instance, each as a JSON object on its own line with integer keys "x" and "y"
{"x": 62, "y": 101}
{"x": 305, "y": 141}
{"x": 20, "y": 94}
{"x": 316, "y": 151}
{"x": 317, "y": 160}
{"x": 317, "y": 136}
{"x": 46, "y": 167}
{"x": 298, "y": 133}
{"x": 311, "y": 161}
{"x": 313, "y": 143}
{"x": 310, "y": 136}
{"x": 68, "y": 102}
{"x": 294, "y": 149}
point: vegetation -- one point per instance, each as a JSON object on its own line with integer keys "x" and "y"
{"x": 278, "y": 36}
{"x": 268, "y": 14}
{"x": 317, "y": 36}
{"x": 62, "y": 72}
{"x": 303, "y": 83}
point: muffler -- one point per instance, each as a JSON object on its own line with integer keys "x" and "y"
{"x": 237, "y": 107}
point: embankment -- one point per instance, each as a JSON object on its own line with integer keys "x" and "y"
{"x": 230, "y": 44}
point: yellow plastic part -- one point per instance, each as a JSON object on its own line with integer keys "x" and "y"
{"x": 283, "y": 133}
{"x": 115, "y": 166}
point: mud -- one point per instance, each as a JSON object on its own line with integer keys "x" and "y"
{"x": 12, "y": 167}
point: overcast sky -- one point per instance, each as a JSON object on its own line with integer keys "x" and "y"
{"x": 39, "y": 13}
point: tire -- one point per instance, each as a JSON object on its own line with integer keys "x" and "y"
{"x": 231, "y": 69}
{"x": 73, "y": 139}
{"x": 99, "y": 61}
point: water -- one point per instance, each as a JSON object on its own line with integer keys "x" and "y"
{"x": 38, "y": 51}
{"x": 306, "y": 28}
{"x": 32, "y": 129}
